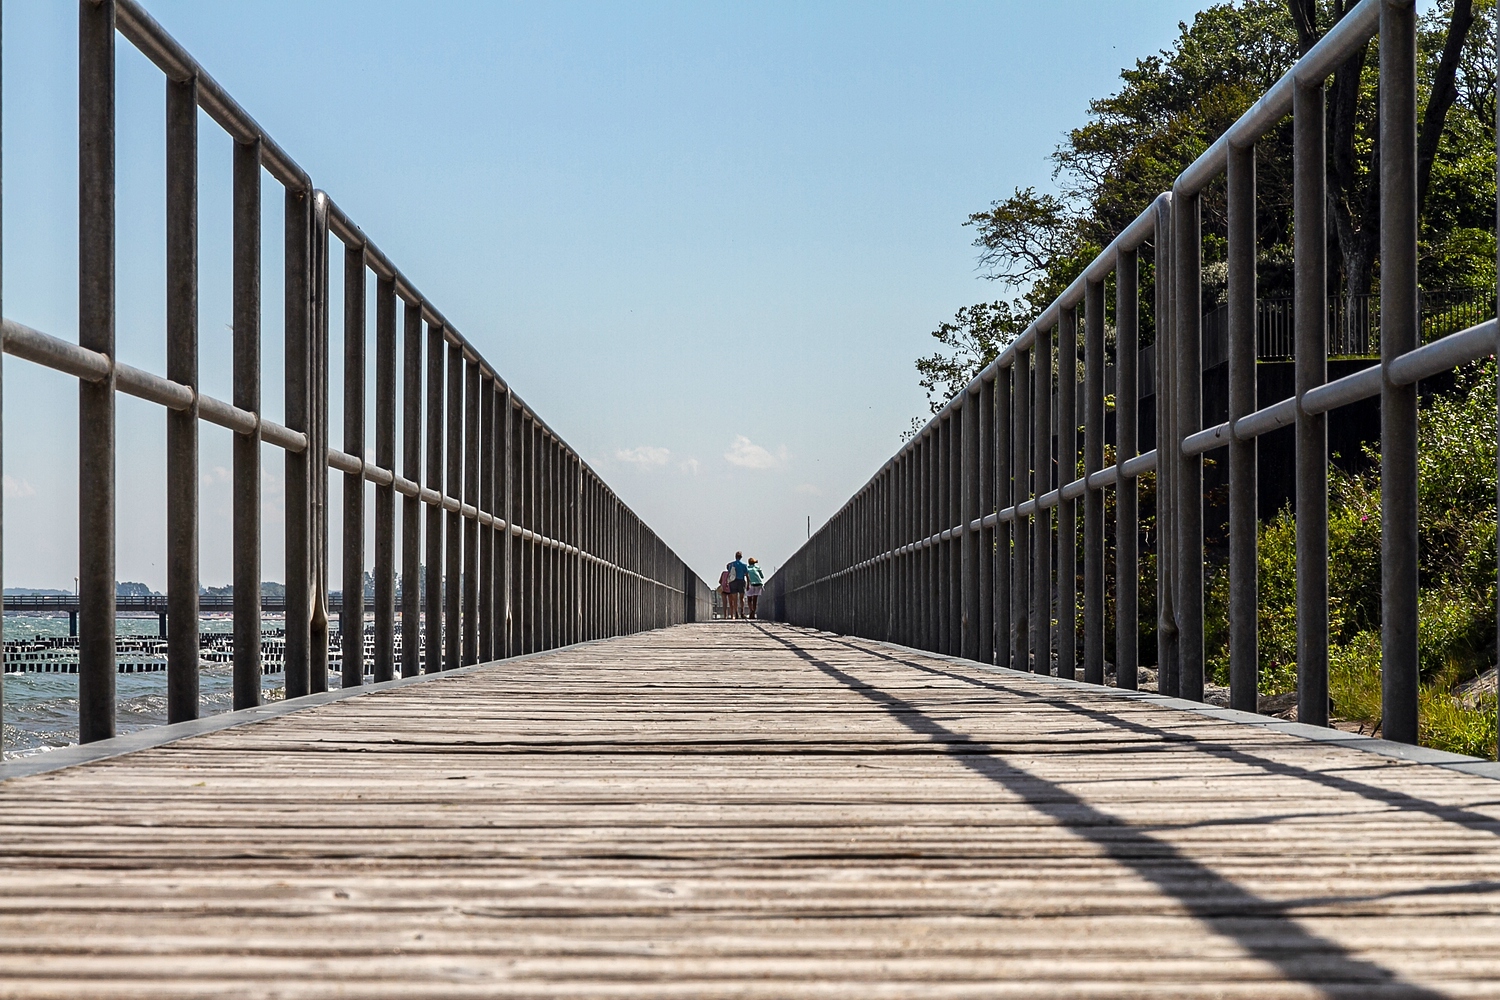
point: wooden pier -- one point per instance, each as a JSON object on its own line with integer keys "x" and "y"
{"x": 750, "y": 810}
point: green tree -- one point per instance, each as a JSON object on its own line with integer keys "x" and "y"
{"x": 973, "y": 338}
{"x": 1173, "y": 105}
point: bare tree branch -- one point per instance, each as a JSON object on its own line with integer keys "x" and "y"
{"x": 1020, "y": 237}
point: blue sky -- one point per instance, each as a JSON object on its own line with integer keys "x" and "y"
{"x": 704, "y": 241}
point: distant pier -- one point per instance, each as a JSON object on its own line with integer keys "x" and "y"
{"x": 142, "y": 654}
{"x": 153, "y": 603}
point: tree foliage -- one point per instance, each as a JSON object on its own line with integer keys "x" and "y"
{"x": 973, "y": 338}
{"x": 1171, "y": 106}
{"x": 1456, "y": 451}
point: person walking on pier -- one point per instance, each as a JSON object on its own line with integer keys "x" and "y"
{"x": 755, "y": 583}
{"x": 738, "y": 574}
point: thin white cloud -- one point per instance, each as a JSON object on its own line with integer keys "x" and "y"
{"x": 810, "y": 490}
{"x": 16, "y": 488}
{"x": 749, "y": 455}
{"x": 689, "y": 465}
{"x": 646, "y": 456}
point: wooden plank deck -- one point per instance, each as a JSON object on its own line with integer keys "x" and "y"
{"x": 739, "y": 810}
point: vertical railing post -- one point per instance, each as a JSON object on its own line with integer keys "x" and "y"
{"x": 885, "y": 528}
{"x": 896, "y": 601}
{"x": 931, "y": 467}
{"x": 536, "y": 563}
{"x": 1310, "y": 266}
{"x": 546, "y": 605}
{"x": 1041, "y": 559}
{"x": 385, "y": 495}
{"x": 897, "y": 598}
{"x": 1093, "y": 499}
{"x": 849, "y": 591}
{"x": 437, "y": 356}
{"x": 588, "y": 592}
{"x": 540, "y": 498}
{"x": 453, "y": 490}
{"x": 1020, "y": 604}
{"x": 942, "y": 439}
{"x": 246, "y": 474}
{"x": 1004, "y": 498}
{"x": 552, "y": 503}
{"x": 952, "y": 515}
{"x": 297, "y": 387}
{"x": 1187, "y": 251}
{"x": 470, "y": 648}
{"x": 1244, "y": 653}
{"x": 901, "y": 607}
{"x": 411, "y": 507}
{"x": 1127, "y": 514}
{"x": 1067, "y": 510}
{"x": 568, "y": 511}
{"x": 517, "y": 461}
{"x": 182, "y": 425}
{"x": 555, "y": 530}
{"x": 352, "y": 612}
{"x": 971, "y": 509}
{"x": 921, "y": 582}
{"x": 576, "y": 472}
{"x": 317, "y": 443}
{"x": 487, "y": 453}
{"x": 552, "y": 513}
{"x": 510, "y": 544}
{"x": 1166, "y": 468}
{"x": 899, "y": 601}
{"x": 859, "y": 592}
{"x": 529, "y": 519}
{"x": 1399, "y": 332}
{"x": 96, "y": 400}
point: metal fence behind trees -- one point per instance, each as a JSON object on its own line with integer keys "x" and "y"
{"x": 952, "y": 546}
{"x": 525, "y": 548}
{"x": 1353, "y": 323}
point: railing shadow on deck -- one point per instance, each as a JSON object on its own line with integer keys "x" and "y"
{"x": 1467, "y": 818}
{"x": 1218, "y": 902}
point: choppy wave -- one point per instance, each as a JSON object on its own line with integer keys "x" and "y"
{"x": 41, "y": 710}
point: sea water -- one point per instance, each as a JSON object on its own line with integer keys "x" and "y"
{"x": 41, "y": 710}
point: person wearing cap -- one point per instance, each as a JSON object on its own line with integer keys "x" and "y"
{"x": 755, "y": 583}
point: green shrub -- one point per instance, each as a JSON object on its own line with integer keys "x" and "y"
{"x": 1354, "y": 679}
{"x": 1456, "y": 530}
{"x": 1447, "y": 724}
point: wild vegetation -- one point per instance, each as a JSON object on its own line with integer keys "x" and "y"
{"x": 1456, "y": 529}
{"x": 1170, "y": 107}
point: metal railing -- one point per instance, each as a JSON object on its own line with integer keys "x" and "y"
{"x": 950, "y": 546}
{"x": 525, "y": 547}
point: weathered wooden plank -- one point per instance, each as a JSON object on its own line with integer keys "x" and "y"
{"x": 746, "y": 810}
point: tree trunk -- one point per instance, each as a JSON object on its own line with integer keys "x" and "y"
{"x": 1444, "y": 93}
